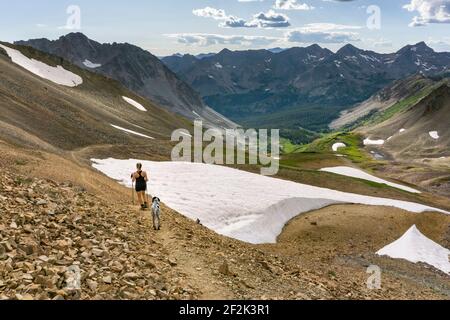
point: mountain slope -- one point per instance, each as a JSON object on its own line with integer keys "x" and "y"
{"x": 382, "y": 100}
{"x": 420, "y": 130}
{"x": 40, "y": 113}
{"x": 306, "y": 87}
{"x": 135, "y": 68}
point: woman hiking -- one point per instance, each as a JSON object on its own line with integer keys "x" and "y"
{"x": 140, "y": 178}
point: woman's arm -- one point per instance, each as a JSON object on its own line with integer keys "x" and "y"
{"x": 146, "y": 176}
{"x": 133, "y": 177}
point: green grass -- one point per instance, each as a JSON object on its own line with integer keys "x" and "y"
{"x": 399, "y": 106}
{"x": 288, "y": 147}
{"x": 353, "y": 142}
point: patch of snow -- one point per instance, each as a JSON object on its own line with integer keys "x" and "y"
{"x": 389, "y": 138}
{"x": 434, "y": 135}
{"x": 356, "y": 173}
{"x": 235, "y": 203}
{"x": 369, "y": 142}
{"x": 413, "y": 246}
{"x": 135, "y": 104}
{"x": 369, "y": 58}
{"x": 91, "y": 65}
{"x": 402, "y": 130}
{"x": 218, "y": 65}
{"x": 337, "y": 63}
{"x": 338, "y": 145}
{"x": 210, "y": 76}
{"x": 58, "y": 74}
{"x": 197, "y": 115}
{"x": 132, "y": 132}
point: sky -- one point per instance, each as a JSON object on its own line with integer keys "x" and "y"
{"x": 165, "y": 27}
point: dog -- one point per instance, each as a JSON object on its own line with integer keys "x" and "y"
{"x": 156, "y": 213}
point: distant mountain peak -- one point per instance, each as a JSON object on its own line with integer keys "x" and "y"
{"x": 348, "y": 49}
{"x": 420, "y": 47}
{"x": 225, "y": 51}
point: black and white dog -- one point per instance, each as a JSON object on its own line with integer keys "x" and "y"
{"x": 156, "y": 213}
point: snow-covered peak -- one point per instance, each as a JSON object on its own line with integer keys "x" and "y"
{"x": 415, "y": 247}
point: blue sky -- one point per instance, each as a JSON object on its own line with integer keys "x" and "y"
{"x": 197, "y": 26}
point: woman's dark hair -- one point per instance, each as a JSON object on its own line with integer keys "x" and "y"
{"x": 139, "y": 166}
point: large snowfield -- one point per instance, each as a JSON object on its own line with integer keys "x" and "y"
{"x": 415, "y": 247}
{"x": 356, "y": 173}
{"x": 58, "y": 74}
{"x": 235, "y": 203}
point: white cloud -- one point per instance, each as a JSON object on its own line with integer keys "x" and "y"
{"x": 270, "y": 19}
{"x": 208, "y": 12}
{"x": 429, "y": 11}
{"x": 205, "y": 39}
{"x": 291, "y": 5}
{"x": 323, "y": 33}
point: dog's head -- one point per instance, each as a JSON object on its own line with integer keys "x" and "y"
{"x": 156, "y": 200}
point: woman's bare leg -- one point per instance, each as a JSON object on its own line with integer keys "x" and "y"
{"x": 143, "y": 197}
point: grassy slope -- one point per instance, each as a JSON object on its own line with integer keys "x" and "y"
{"x": 396, "y": 108}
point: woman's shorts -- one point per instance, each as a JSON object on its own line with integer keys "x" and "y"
{"x": 141, "y": 187}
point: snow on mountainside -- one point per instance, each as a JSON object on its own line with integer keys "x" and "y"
{"x": 259, "y": 87}
{"x": 356, "y": 173}
{"x": 415, "y": 247}
{"x": 135, "y": 68}
{"x": 57, "y": 74}
{"x": 135, "y": 104}
{"x": 235, "y": 203}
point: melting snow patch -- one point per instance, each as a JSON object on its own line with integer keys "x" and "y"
{"x": 402, "y": 130}
{"x": 218, "y": 65}
{"x": 235, "y": 203}
{"x": 338, "y": 145}
{"x": 415, "y": 247}
{"x": 57, "y": 74}
{"x": 356, "y": 173}
{"x": 91, "y": 65}
{"x": 135, "y": 104}
{"x": 434, "y": 135}
{"x": 132, "y": 132}
{"x": 369, "y": 142}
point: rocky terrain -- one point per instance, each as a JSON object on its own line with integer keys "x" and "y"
{"x": 57, "y": 214}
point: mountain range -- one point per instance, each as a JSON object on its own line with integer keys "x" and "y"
{"x": 136, "y": 69}
{"x": 299, "y": 87}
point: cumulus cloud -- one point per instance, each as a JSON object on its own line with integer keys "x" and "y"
{"x": 429, "y": 11}
{"x": 204, "y": 39}
{"x": 327, "y": 33}
{"x": 291, "y": 5}
{"x": 270, "y": 19}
